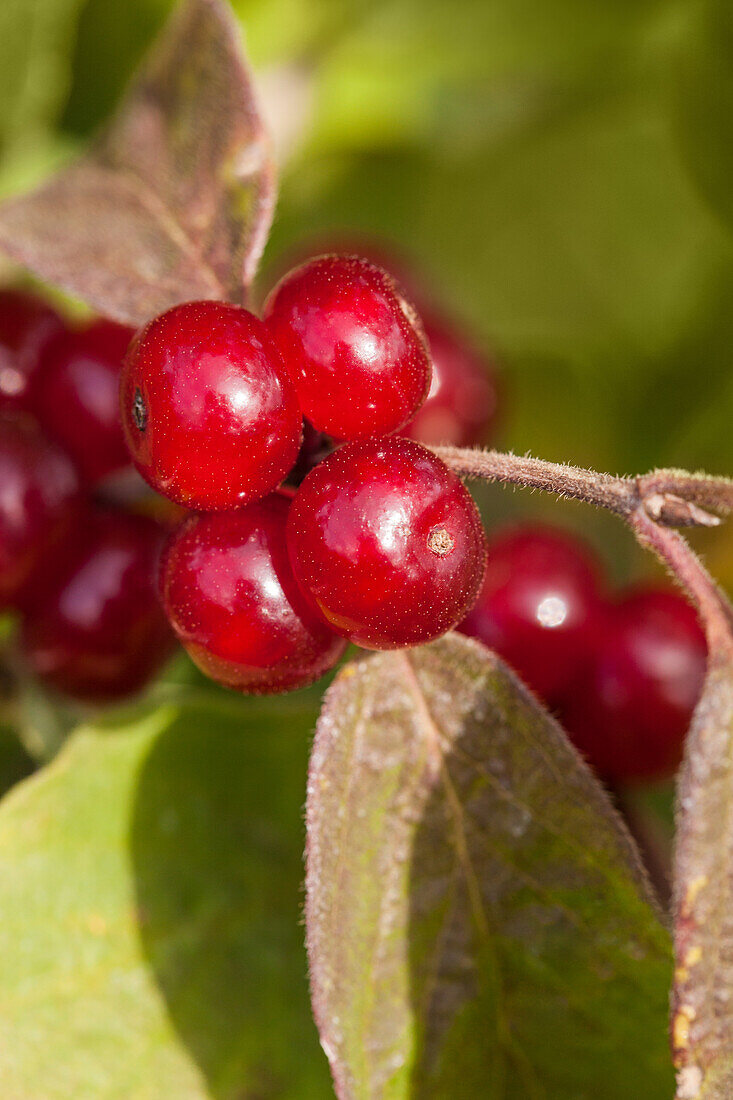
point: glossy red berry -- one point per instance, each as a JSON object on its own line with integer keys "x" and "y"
{"x": 539, "y": 607}
{"x": 461, "y": 405}
{"x": 631, "y": 710}
{"x": 27, "y": 327}
{"x": 352, "y": 344}
{"x": 39, "y": 494}
{"x": 232, "y": 599}
{"x": 99, "y": 632}
{"x": 209, "y": 412}
{"x": 387, "y": 542}
{"x": 78, "y": 400}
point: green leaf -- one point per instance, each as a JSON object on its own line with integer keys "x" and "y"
{"x": 150, "y": 942}
{"x": 175, "y": 200}
{"x": 476, "y": 912}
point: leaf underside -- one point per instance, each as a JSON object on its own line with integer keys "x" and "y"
{"x": 175, "y": 199}
{"x": 477, "y": 921}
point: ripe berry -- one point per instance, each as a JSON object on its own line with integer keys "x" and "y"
{"x": 461, "y": 404}
{"x": 387, "y": 542}
{"x": 232, "y": 599}
{"x": 631, "y": 711}
{"x": 99, "y": 632}
{"x": 39, "y": 494}
{"x": 352, "y": 344}
{"x": 539, "y": 607}
{"x": 77, "y": 396}
{"x": 209, "y": 413}
{"x": 27, "y": 327}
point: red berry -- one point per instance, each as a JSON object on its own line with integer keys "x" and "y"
{"x": 631, "y": 710}
{"x": 231, "y": 596}
{"x": 39, "y": 494}
{"x": 352, "y": 344}
{"x": 77, "y": 398}
{"x": 461, "y": 404}
{"x": 209, "y": 413}
{"x": 539, "y": 606}
{"x": 27, "y": 327}
{"x": 99, "y": 632}
{"x": 387, "y": 542}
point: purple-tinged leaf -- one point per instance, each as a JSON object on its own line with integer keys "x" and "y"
{"x": 174, "y": 201}
{"x": 702, "y": 1020}
{"x": 477, "y": 920}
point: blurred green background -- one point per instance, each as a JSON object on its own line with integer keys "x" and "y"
{"x": 557, "y": 171}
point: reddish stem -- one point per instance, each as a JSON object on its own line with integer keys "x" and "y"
{"x": 715, "y": 493}
{"x": 618, "y": 494}
{"x": 686, "y": 568}
{"x": 651, "y": 504}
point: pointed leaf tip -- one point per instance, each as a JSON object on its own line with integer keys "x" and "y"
{"x": 175, "y": 199}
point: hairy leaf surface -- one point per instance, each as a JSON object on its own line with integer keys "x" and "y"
{"x": 478, "y": 924}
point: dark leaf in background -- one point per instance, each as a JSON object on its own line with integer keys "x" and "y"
{"x": 478, "y": 924}
{"x": 174, "y": 201}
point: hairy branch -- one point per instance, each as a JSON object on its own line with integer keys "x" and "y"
{"x": 671, "y": 498}
{"x": 688, "y": 571}
{"x": 715, "y": 493}
{"x": 651, "y": 504}
{"x": 619, "y": 494}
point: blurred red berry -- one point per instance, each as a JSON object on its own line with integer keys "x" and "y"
{"x": 631, "y": 709}
{"x": 39, "y": 497}
{"x": 100, "y": 633}
{"x": 78, "y": 401}
{"x": 27, "y": 326}
{"x": 461, "y": 405}
{"x": 540, "y": 605}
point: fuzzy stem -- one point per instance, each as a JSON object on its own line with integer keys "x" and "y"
{"x": 650, "y": 504}
{"x": 619, "y": 494}
{"x": 672, "y": 498}
{"x": 686, "y": 568}
{"x": 715, "y": 493}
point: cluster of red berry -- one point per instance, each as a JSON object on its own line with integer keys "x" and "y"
{"x": 622, "y": 671}
{"x": 82, "y": 573}
{"x": 381, "y": 544}
{"x": 370, "y": 539}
